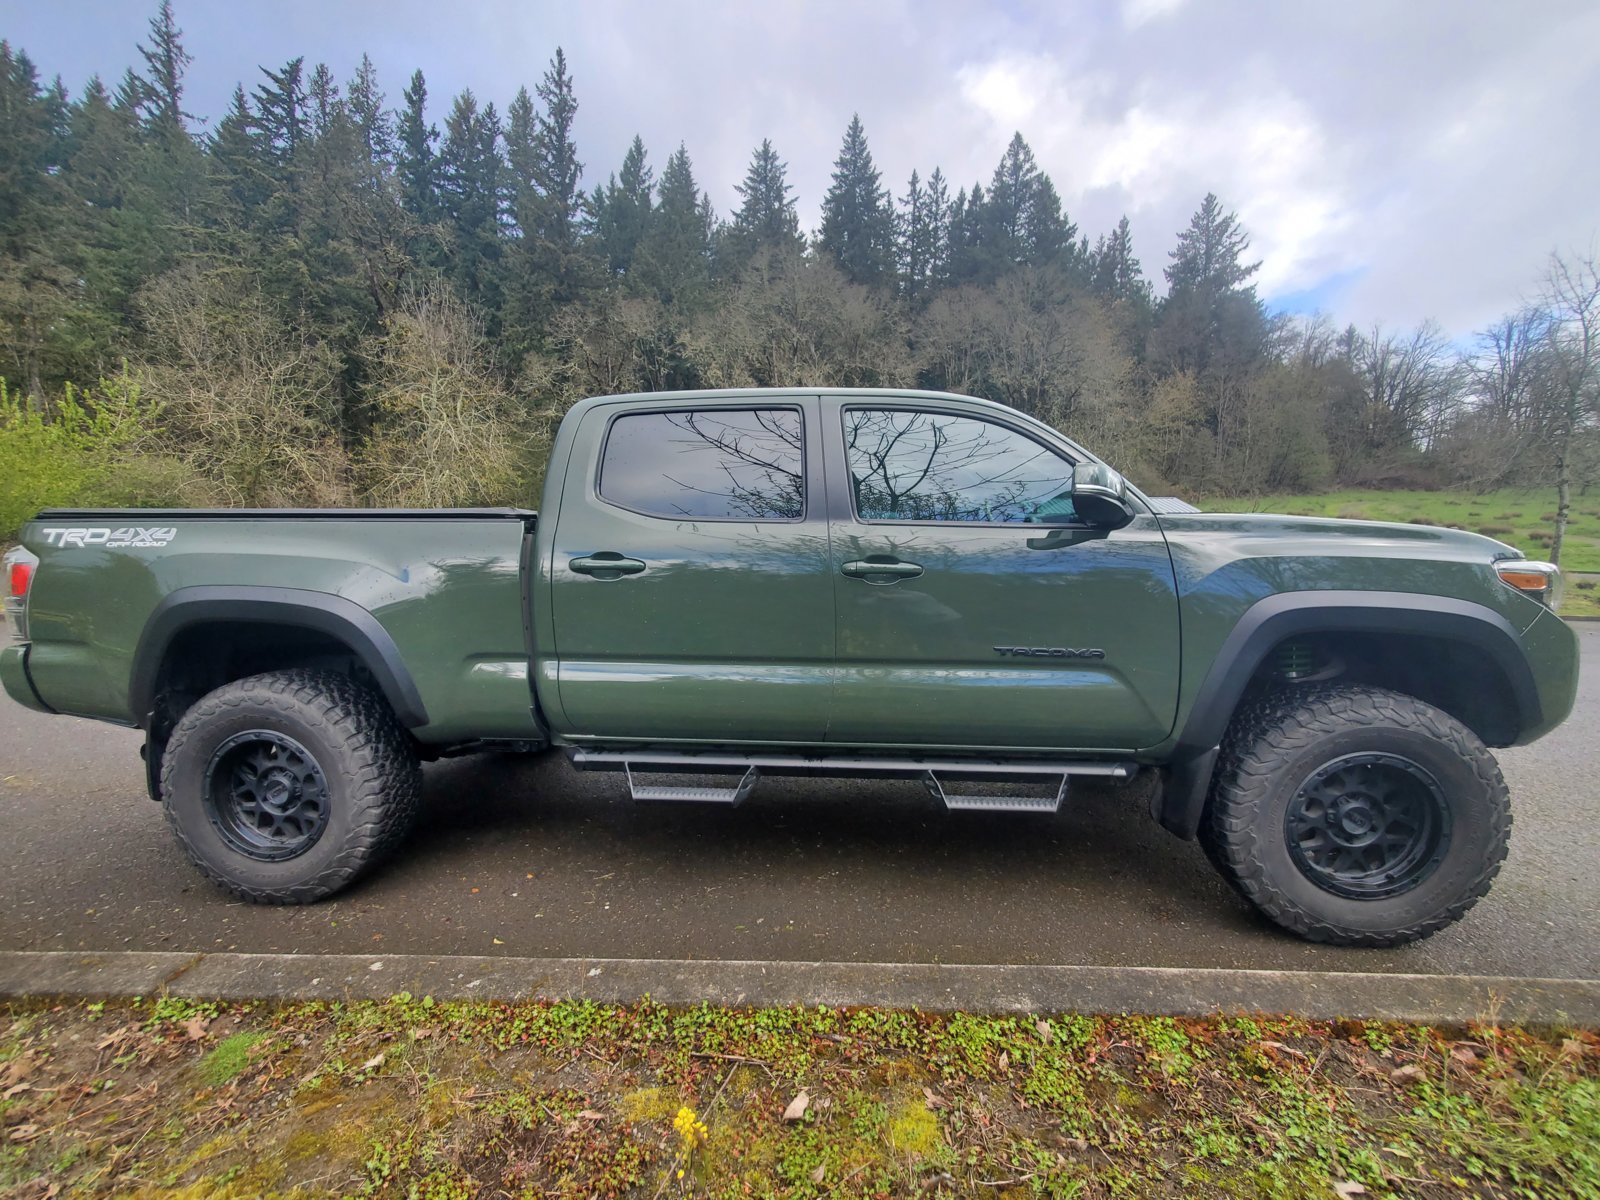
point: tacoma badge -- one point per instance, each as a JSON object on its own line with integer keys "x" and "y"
{"x": 1048, "y": 652}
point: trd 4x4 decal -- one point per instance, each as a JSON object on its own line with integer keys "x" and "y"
{"x": 130, "y": 536}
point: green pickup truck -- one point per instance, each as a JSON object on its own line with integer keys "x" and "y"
{"x": 725, "y": 585}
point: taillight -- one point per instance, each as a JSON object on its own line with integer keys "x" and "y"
{"x": 18, "y": 565}
{"x": 21, "y": 577}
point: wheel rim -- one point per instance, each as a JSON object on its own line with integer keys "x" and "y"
{"x": 1368, "y": 826}
{"x": 266, "y": 795}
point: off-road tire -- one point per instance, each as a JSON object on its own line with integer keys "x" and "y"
{"x": 1278, "y": 742}
{"x": 369, "y": 764}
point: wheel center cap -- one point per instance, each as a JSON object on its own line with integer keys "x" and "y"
{"x": 278, "y": 790}
{"x": 1353, "y": 818}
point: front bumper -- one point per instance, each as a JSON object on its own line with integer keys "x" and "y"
{"x": 14, "y": 677}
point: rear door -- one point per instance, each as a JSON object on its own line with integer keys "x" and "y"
{"x": 974, "y": 610}
{"x": 692, "y": 594}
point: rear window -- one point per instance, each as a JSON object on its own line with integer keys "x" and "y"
{"x": 708, "y": 464}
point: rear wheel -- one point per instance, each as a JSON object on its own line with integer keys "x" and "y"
{"x": 285, "y": 787}
{"x": 1355, "y": 815}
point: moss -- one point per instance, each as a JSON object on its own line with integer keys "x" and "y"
{"x": 913, "y": 1129}
{"x": 648, "y": 1104}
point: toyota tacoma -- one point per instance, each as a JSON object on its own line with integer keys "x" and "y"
{"x": 724, "y": 585}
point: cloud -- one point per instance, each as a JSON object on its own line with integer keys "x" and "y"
{"x": 1402, "y": 160}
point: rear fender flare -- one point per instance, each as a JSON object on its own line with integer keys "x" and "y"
{"x": 321, "y": 612}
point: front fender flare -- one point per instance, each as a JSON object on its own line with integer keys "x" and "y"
{"x": 1180, "y": 804}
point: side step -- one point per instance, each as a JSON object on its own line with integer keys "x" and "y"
{"x": 1018, "y": 804}
{"x": 932, "y": 772}
{"x": 696, "y": 795}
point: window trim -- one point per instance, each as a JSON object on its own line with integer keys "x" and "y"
{"x": 986, "y": 419}
{"x": 669, "y": 410}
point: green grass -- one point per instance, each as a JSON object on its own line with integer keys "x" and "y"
{"x": 407, "y": 1098}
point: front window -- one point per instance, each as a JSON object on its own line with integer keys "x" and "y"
{"x": 928, "y": 466}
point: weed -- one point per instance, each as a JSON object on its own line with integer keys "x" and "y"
{"x": 228, "y": 1059}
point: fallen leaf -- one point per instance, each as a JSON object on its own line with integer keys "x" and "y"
{"x": 113, "y": 1038}
{"x": 589, "y": 1114}
{"x": 1045, "y": 1033}
{"x": 1347, "y": 1188}
{"x": 1571, "y": 1048}
{"x": 474, "y": 891}
{"x": 1005, "y": 1062}
{"x": 820, "y": 1173}
{"x": 797, "y": 1106}
{"x": 1078, "y": 1144}
{"x": 1465, "y": 1056}
{"x": 423, "y": 1034}
{"x": 498, "y": 942}
{"x": 373, "y": 1063}
{"x": 1282, "y": 1049}
{"x": 195, "y": 1028}
{"x": 934, "y": 1100}
{"x": 1409, "y": 1073}
{"x": 16, "y": 1089}
{"x": 24, "y": 1133}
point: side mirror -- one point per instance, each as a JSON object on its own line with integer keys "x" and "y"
{"x": 1100, "y": 496}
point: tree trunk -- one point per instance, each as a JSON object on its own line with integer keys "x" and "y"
{"x": 1563, "y": 496}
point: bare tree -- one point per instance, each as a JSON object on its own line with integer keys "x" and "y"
{"x": 1571, "y": 301}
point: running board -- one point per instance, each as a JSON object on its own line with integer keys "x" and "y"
{"x": 929, "y": 771}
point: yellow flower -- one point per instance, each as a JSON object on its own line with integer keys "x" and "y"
{"x": 690, "y": 1129}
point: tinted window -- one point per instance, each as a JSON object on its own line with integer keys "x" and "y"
{"x": 919, "y": 466}
{"x": 738, "y": 466}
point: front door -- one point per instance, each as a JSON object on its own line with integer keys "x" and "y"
{"x": 973, "y": 609}
{"x": 690, "y": 586}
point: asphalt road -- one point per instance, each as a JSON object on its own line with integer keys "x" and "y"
{"x": 524, "y": 856}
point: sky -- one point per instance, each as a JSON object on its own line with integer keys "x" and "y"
{"x": 1393, "y": 161}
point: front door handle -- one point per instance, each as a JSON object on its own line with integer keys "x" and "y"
{"x": 881, "y": 572}
{"x": 606, "y": 564}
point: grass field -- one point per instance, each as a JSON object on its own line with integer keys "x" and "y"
{"x": 410, "y": 1099}
{"x": 1521, "y": 518}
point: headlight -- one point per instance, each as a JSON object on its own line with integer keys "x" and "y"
{"x": 1540, "y": 580}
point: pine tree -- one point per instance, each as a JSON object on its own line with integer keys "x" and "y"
{"x": 371, "y": 118}
{"x": 470, "y": 183}
{"x": 939, "y": 205}
{"x": 620, "y": 211}
{"x": 281, "y": 111}
{"x": 555, "y": 168}
{"x": 766, "y": 218}
{"x": 1211, "y": 314}
{"x": 1209, "y": 255}
{"x": 675, "y": 255}
{"x": 857, "y": 214}
{"x": 418, "y": 165}
{"x": 165, "y": 60}
{"x": 920, "y": 231}
{"x": 1116, "y": 273}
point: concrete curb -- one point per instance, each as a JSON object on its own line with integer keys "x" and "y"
{"x": 1171, "y": 991}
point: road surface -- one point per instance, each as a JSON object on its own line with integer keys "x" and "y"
{"x": 524, "y": 856}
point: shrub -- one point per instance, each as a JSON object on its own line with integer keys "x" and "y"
{"x": 83, "y": 450}
{"x": 1495, "y": 530}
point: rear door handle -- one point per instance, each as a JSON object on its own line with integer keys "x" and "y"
{"x": 606, "y": 564}
{"x": 881, "y": 572}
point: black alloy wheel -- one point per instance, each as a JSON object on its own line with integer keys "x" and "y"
{"x": 1368, "y": 826}
{"x": 266, "y": 795}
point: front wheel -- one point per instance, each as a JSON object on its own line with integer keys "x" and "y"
{"x": 1356, "y": 816}
{"x": 285, "y": 787}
